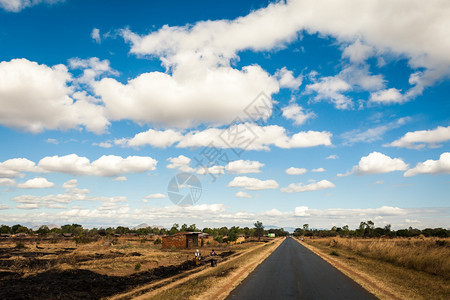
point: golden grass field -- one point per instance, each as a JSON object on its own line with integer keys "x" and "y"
{"x": 405, "y": 268}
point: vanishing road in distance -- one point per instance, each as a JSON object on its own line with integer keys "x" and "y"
{"x": 294, "y": 272}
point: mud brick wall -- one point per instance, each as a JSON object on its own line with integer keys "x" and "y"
{"x": 179, "y": 241}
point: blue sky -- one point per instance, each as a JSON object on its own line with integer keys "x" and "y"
{"x": 339, "y": 112}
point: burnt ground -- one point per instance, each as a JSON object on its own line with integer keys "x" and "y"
{"x": 75, "y": 283}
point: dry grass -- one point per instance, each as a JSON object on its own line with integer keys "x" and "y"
{"x": 429, "y": 255}
{"x": 391, "y": 268}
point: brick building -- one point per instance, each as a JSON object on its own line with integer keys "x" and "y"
{"x": 180, "y": 240}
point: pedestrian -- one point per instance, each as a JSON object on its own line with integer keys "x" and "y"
{"x": 213, "y": 259}
{"x": 198, "y": 257}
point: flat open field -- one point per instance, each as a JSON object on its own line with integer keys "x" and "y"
{"x": 45, "y": 268}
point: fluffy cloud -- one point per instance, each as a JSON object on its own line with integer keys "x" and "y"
{"x": 331, "y": 89}
{"x": 244, "y": 166}
{"x": 316, "y": 186}
{"x": 332, "y": 156}
{"x": 421, "y": 138}
{"x": 318, "y": 170}
{"x": 70, "y": 184}
{"x": 7, "y": 182}
{"x": 181, "y": 163}
{"x": 297, "y": 113}
{"x": 120, "y": 178}
{"x": 36, "y": 183}
{"x": 249, "y": 136}
{"x": 36, "y": 97}
{"x": 15, "y": 166}
{"x": 214, "y": 170}
{"x": 242, "y": 194}
{"x": 287, "y": 79}
{"x": 296, "y": 171}
{"x": 388, "y": 96}
{"x": 92, "y": 68}
{"x": 18, "y": 5}
{"x": 358, "y": 52}
{"x": 107, "y": 165}
{"x": 253, "y": 184}
{"x": 440, "y": 166}
{"x": 377, "y": 162}
{"x": 95, "y": 35}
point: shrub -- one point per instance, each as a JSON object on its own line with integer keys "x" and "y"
{"x": 157, "y": 241}
{"x": 137, "y": 266}
{"x": 20, "y": 245}
{"x": 334, "y": 253}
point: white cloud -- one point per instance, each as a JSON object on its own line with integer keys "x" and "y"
{"x": 7, "y": 182}
{"x": 331, "y": 89}
{"x": 15, "y": 166}
{"x": 107, "y": 165}
{"x": 244, "y": 166}
{"x": 296, "y": 171}
{"x": 18, "y": 5}
{"x": 253, "y": 184}
{"x": 215, "y": 170}
{"x": 181, "y": 163}
{"x": 155, "y": 138}
{"x": 36, "y": 183}
{"x": 316, "y": 186}
{"x": 95, "y": 35}
{"x": 155, "y": 196}
{"x": 421, "y": 138}
{"x": 120, "y": 178}
{"x": 36, "y": 97}
{"x": 377, "y": 162}
{"x": 249, "y": 136}
{"x": 388, "y": 96}
{"x": 301, "y": 211}
{"x": 440, "y": 166}
{"x": 332, "y": 156}
{"x": 358, "y": 52}
{"x": 297, "y": 113}
{"x": 92, "y": 68}
{"x": 318, "y": 170}
{"x": 70, "y": 184}
{"x": 103, "y": 144}
{"x": 286, "y": 79}
{"x": 242, "y": 194}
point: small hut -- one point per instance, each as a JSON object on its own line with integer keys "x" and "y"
{"x": 180, "y": 240}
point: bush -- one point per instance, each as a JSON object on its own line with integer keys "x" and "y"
{"x": 157, "y": 241}
{"x": 334, "y": 253}
{"x": 137, "y": 266}
{"x": 20, "y": 245}
{"x": 83, "y": 239}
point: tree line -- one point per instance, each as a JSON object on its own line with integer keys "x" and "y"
{"x": 368, "y": 229}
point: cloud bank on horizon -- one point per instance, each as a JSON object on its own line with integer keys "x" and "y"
{"x": 286, "y": 111}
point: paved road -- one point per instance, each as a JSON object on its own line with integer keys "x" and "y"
{"x": 294, "y": 272}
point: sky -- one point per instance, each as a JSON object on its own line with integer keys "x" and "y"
{"x": 222, "y": 113}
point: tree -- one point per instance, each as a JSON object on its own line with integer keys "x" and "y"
{"x": 306, "y": 227}
{"x": 43, "y": 230}
{"x": 5, "y": 229}
{"x": 259, "y": 229}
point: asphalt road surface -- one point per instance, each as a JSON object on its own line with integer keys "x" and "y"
{"x": 294, "y": 272}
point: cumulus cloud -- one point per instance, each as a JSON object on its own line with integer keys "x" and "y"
{"x": 297, "y": 114}
{"x": 440, "y": 166}
{"x": 107, "y": 165}
{"x": 296, "y": 171}
{"x": 36, "y": 183}
{"x": 181, "y": 163}
{"x": 316, "y": 186}
{"x": 242, "y": 194}
{"x": 421, "y": 138}
{"x": 332, "y": 156}
{"x": 14, "y": 167}
{"x": 36, "y": 97}
{"x": 7, "y": 182}
{"x": 92, "y": 68}
{"x": 253, "y": 184}
{"x": 18, "y": 5}
{"x": 249, "y": 136}
{"x": 95, "y": 35}
{"x": 331, "y": 89}
{"x": 376, "y": 163}
{"x": 389, "y": 96}
{"x": 214, "y": 170}
{"x": 120, "y": 178}
{"x": 358, "y": 52}
{"x": 244, "y": 166}
{"x": 70, "y": 184}
{"x": 286, "y": 79}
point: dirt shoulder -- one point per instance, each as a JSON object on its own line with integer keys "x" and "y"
{"x": 215, "y": 282}
{"x": 384, "y": 280}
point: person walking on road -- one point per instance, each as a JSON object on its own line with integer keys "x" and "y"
{"x": 213, "y": 259}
